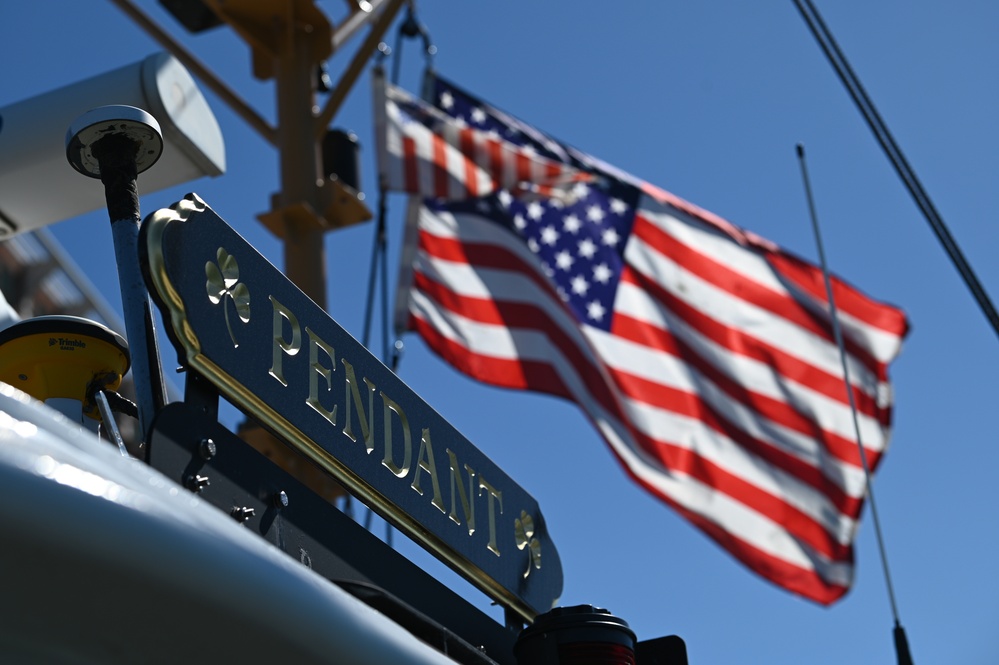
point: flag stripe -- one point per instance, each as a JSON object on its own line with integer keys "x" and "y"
{"x": 744, "y": 292}
{"x": 659, "y": 353}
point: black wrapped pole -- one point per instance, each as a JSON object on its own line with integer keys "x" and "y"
{"x": 115, "y": 144}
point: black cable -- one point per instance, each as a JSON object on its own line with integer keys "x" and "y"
{"x": 850, "y": 81}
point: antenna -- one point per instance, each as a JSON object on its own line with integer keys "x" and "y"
{"x": 115, "y": 144}
{"x": 901, "y": 643}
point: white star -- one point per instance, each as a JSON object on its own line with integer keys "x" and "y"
{"x": 547, "y": 269}
{"x": 618, "y": 207}
{"x": 580, "y": 190}
{"x": 519, "y": 222}
{"x": 504, "y": 198}
{"x": 587, "y": 248}
{"x": 549, "y": 235}
{"x": 535, "y": 210}
{"x": 528, "y": 149}
{"x": 478, "y": 116}
{"x": 564, "y": 260}
{"x": 610, "y": 237}
{"x": 533, "y": 245}
{"x": 579, "y": 285}
{"x": 447, "y": 101}
{"x": 571, "y": 223}
{"x": 595, "y": 214}
{"x": 595, "y": 310}
{"x": 602, "y": 273}
{"x": 493, "y": 134}
{"x": 556, "y": 202}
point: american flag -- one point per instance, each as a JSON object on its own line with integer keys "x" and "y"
{"x": 703, "y": 354}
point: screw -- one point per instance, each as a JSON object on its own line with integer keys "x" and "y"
{"x": 280, "y": 499}
{"x": 242, "y": 514}
{"x": 207, "y": 449}
{"x": 196, "y": 483}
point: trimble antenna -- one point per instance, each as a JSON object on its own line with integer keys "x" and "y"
{"x": 115, "y": 144}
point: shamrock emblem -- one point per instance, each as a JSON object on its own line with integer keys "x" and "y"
{"x": 223, "y": 282}
{"x": 524, "y": 530}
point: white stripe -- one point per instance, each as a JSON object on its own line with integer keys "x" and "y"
{"x": 754, "y": 321}
{"x": 692, "y": 434}
{"x": 480, "y": 157}
{"x": 707, "y": 240}
{"x": 670, "y": 372}
{"x": 393, "y": 147}
{"x": 831, "y": 415}
{"x": 499, "y": 285}
{"x": 731, "y": 516}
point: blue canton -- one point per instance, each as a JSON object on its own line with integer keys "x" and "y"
{"x": 578, "y": 236}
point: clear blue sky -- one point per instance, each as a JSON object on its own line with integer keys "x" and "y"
{"x": 707, "y": 100}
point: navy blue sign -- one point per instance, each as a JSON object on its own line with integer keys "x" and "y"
{"x": 269, "y": 349}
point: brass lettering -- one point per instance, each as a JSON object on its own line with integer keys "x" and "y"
{"x": 388, "y": 409}
{"x": 282, "y": 345}
{"x": 430, "y": 466}
{"x": 316, "y": 370}
{"x": 352, "y": 391}
{"x": 458, "y": 489}
{"x": 493, "y": 493}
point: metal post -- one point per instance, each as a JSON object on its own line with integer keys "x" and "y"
{"x": 115, "y": 144}
{"x": 304, "y": 251}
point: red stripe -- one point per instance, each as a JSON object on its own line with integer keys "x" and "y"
{"x": 690, "y": 406}
{"x": 412, "y": 184}
{"x": 736, "y": 341}
{"x": 841, "y": 448}
{"x": 441, "y": 176}
{"x": 522, "y": 316}
{"x": 802, "y": 581}
{"x": 502, "y": 372}
{"x": 523, "y": 164}
{"x": 796, "y": 522}
{"x": 744, "y": 288}
{"x": 495, "y": 151}
{"x": 466, "y": 138}
{"x": 848, "y": 299}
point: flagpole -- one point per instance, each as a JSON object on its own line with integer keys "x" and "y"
{"x": 901, "y": 642}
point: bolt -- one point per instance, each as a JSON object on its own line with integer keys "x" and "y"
{"x": 280, "y": 499}
{"x": 196, "y": 483}
{"x": 207, "y": 449}
{"x": 242, "y": 514}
